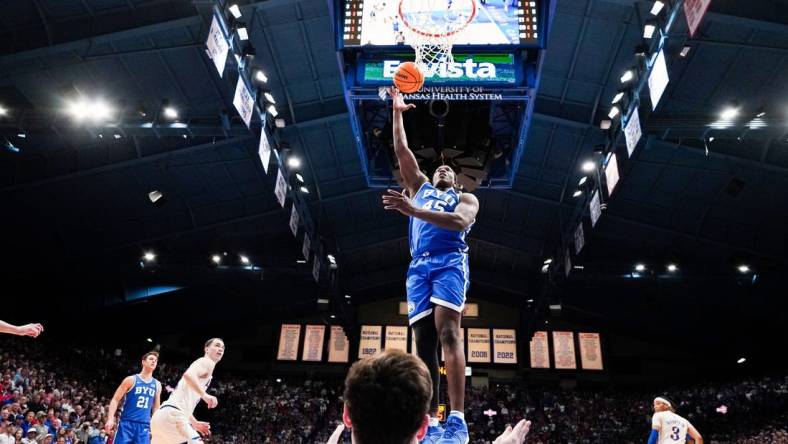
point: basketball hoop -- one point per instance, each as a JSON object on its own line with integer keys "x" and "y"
{"x": 432, "y": 26}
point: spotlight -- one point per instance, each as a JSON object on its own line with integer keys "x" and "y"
{"x": 278, "y": 380}
{"x": 605, "y": 124}
{"x": 3, "y": 110}
{"x": 300, "y": 261}
{"x": 299, "y": 177}
{"x": 614, "y": 111}
{"x": 583, "y": 180}
{"x": 548, "y": 261}
{"x": 761, "y": 112}
{"x": 649, "y": 28}
{"x": 155, "y": 195}
{"x": 244, "y": 260}
{"x": 149, "y": 256}
{"x": 741, "y": 360}
{"x": 672, "y": 268}
{"x": 617, "y": 98}
{"x": 272, "y": 110}
{"x": 729, "y": 113}
{"x": 149, "y": 340}
{"x": 96, "y": 110}
{"x": 260, "y": 76}
{"x": 545, "y": 268}
{"x": 293, "y": 162}
{"x": 640, "y": 267}
{"x": 116, "y": 136}
{"x": 243, "y": 34}
{"x": 236, "y": 11}
{"x": 304, "y": 190}
{"x": 333, "y": 316}
{"x": 588, "y": 166}
{"x": 658, "y": 5}
{"x": 216, "y": 259}
{"x": 269, "y": 97}
{"x": 331, "y": 258}
{"x": 743, "y": 268}
{"x": 577, "y": 193}
{"x": 170, "y": 112}
{"x": 347, "y": 296}
{"x": 684, "y": 51}
{"x": 280, "y": 123}
{"x": 627, "y": 76}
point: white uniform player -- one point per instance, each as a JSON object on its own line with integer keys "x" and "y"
{"x": 670, "y": 428}
{"x": 174, "y": 423}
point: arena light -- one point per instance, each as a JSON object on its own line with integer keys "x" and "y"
{"x": 278, "y": 380}
{"x": 743, "y": 268}
{"x": 301, "y": 261}
{"x": 614, "y": 111}
{"x": 741, "y": 360}
{"x": 672, "y": 268}
{"x": 260, "y": 76}
{"x": 684, "y": 51}
{"x": 149, "y": 340}
{"x": 170, "y": 112}
{"x": 3, "y": 110}
{"x": 269, "y": 97}
{"x": 244, "y": 260}
{"x": 280, "y": 123}
{"x": 649, "y": 28}
{"x": 149, "y": 256}
{"x": 347, "y": 296}
{"x": 216, "y": 259}
{"x": 272, "y": 110}
{"x": 304, "y": 190}
{"x": 577, "y": 193}
{"x": 657, "y": 7}
{"x": 235, "y": 11}
{"x": 729, "y": 113}
{"x": 588, "y": 166}
{"x": 293, "y": 162}
{"x": 21, "y": 135}
{"x": 95, "y": 110}
{"x": 617, "y": 98}
{"x": 243, "y": 34}
{"x": 300, "y": 177}
{"x": 548, "y": 261}
{"x": 333, "y": 316}
{"x": 640, "y": 267}
{"x": 583, "y": 181}
{"x": 627, "y": 76}
{"x": 155, "y": 195}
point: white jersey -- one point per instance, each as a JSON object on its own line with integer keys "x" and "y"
{"x": 672, "y": 428}
{"x": 184, "y": 398}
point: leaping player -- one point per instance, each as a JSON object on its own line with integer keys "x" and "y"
{"x": 667, "y": 427}
{"x": 437, "y": 279}
{"x": 174, "y": 422}
{"x": 143, "y": 397}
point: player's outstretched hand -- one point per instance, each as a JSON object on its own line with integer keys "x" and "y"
{"x": 210, "y": 400}
{"x": 516, "y": 435}
{"x": 334, "y": 438}
{"x": 398, "y": 200}
{"x": 32, "y": 330}
{"x": 202, "y": 427}
{"x": 109, "y": 425}
{"x": 398, "y": 101}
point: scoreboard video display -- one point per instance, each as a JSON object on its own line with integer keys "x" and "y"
{"x": 497, "y": 22}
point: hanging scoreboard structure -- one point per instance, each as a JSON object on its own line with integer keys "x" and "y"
{"x": 474, "y": 109}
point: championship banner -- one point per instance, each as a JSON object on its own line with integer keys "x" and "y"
{"x": 264, "y": 150}
{"x": 305, "y": 248}
{"x": 694, "y": 10}
{"x": 243, "y": 101}
{"x": 564, "y": 350}
{"x": 338, "y": 345}
{"x": 478, "y": 345}
{"x": 280, "y": 190}
{"x": 462, "y": 341}
{"x": 396, "y": 338}
{"x": 471, "y": 310}
{"x": 504, "y": 346}
{"x": 316, "y": 268}
{"x": 595, "y": 208}
{"x": 294, "y": 220}
{"x": 370, "y": 340}
{"x": 313, "y": 343}
{"x": 217, "y": 46}
{"x": 658, "y": 79}
{"x": 579, "y": 238}
{"x": 611, "y": 174}
{"x": 632, "y": 131}
{"x": 590, "y": 351}
{"x": 288, "y": 342}
{"x": 540, "y": 355}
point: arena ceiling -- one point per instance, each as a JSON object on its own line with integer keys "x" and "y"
{"x": 75, "y": 200}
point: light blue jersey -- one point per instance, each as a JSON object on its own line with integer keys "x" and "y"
{"x": 428, "y": 238}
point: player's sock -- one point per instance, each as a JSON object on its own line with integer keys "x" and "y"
{"x": 458, "y": 413}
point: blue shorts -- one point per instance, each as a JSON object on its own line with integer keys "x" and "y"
{"x": 132, "y": 432}
{"x": 440, "y": 279}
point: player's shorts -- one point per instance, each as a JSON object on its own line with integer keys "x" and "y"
{"x": 132, "y": 432}
{"x": 169, "y": 425}
{"x": 436, "y": 279}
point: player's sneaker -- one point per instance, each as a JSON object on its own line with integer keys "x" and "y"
{"x": 456, "y": 431}
{"x": 434, "y": 433}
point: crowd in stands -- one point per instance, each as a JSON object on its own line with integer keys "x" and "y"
{"x": 49, "y": 396}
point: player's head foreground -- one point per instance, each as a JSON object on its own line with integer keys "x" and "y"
{"x": 214, "y": 349}
{"x": 663, "y": 404}
{"x": 387, "y": 397}
{"x": 444, "y": 178}
{"x": 150, "y": 360}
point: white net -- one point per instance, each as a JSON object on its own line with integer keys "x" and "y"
{"x": 432, "y": 26}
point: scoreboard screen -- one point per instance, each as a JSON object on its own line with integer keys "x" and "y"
{"x": 497, "y": 22}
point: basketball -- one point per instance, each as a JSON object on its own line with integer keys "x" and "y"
{"x": 408, "y": 78}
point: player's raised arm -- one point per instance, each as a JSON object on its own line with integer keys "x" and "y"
{"x": 412, "y": 177}
{"x": 120, "y": 392}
